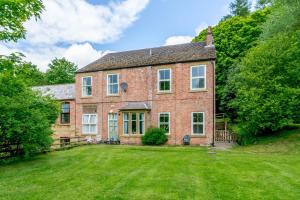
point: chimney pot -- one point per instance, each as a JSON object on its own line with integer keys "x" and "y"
{"x": 209, "y": 37}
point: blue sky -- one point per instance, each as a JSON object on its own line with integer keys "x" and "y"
{"x": 165, "y": 18}
{"x": 84, "y": 30}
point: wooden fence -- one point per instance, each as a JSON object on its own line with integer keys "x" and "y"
{"x": 225, "y": 136}
{"x": 10, "y": 150}
{"x": 14, "y": 150}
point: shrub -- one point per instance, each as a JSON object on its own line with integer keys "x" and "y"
{"x": 154, "y": 136}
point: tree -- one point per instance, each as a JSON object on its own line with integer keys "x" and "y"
{"x": 266, "y": 82}
{"x": 13, "y": 14}
{"x": 261, "y": 4}
{"x": 61, "y": 71}
{"x": 232, "y": 38}
{"x": 267, "y": 85}
{"x": 26, "y": 71}
{"x": 25, "y": 116}
{"x": 240, "y": 8}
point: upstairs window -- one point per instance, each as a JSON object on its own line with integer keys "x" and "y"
{"x": 164, "y": 122}
{"x": 164, "y": 80}
{"x": 65, "y": 113}
{"x": 198, "y": 123}
{"x": 198, "y": 77}
{"x": 112, "y": 84}
{"x": 87, "y": 86}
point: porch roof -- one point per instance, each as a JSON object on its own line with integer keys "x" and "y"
{"x": 136, "y": 106}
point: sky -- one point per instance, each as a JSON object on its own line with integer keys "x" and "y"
{"x": 84, "y": 30}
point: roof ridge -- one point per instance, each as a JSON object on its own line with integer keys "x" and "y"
{"x": 54, "y": 84}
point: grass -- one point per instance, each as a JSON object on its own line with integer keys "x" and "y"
{"x": 268, "y": 170}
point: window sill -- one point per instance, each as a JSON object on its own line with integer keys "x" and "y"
{"x": 86, "y": 97}
{"x": 64, "y": 124}
{"x": 87, "y": 134}
{"x": 198, "y": 136}
{"x": 199, "y": 90}
{"x": 166, "y": 92}
{"x": 133, "y": 135}
{"x": 112, "y": 95}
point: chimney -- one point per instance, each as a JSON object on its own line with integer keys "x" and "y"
{"x": 209, "y": 37}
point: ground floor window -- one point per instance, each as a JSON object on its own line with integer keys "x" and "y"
{"x": 133, "y": 123}
{"x": 89, "y": 123}
{"x": 198, "y": 123}
{"x": 65, "y": 113}
{"x": 164, "y": 122}
{"x": 113, "y": 125}
{"x": 126, "y": 123}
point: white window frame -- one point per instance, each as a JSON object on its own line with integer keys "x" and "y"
{"x": 108, "y": 122}
{"x": 108, "y": 84}
{"x": 143, "y": 123}
{"x": 82, "y": 86}
{"x": 192, "y": 123}
{"x": 127, "y": 123}
{"x": 159, "y": 80}
{"x": 191, "y": 78}
{"x": 96, "y": 123}
{"x": 169, "y": 114}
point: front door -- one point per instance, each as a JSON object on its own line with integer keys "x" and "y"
{"x": 113, "y": 126}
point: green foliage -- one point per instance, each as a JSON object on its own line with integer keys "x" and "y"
{"x": 154, "y": 136}
{"x": 240, "y": 8}
{"x": 233, "y": 37}
{"x": 25, "y": 116}
{"x": 61, "y": 71}
{"x": 13, "y": 13}
{"x": 261, "y": 4}
{"x": 267, "y": 85}
{"x": 285, "y": 17}
{"x": 26, "y": 71}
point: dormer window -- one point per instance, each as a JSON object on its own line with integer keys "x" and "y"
{"x": 87, "y": 86}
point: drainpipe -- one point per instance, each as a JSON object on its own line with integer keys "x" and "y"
{"x": 214, "y": 102}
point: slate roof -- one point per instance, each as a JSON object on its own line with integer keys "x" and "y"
{"x": 60, "y": 92}
{"x": 153, "y": 56}
{"x": 136, "y": 106}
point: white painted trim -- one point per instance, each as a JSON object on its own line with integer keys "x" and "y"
{"x": 143, "y": 123}
{"x": 108, "y": 135}
{"x": 158, "y": 80}
{"x": 82, "y": 123}
{"x": 169, "y": 121}
{"x": 124, "y": 123}
{"x": 192, "y": 131}
{"x": 191, "y": 84}
{"x": 82, "y": 86}
{"x": 107, "y": 84}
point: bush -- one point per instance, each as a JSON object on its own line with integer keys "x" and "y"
{"x": 154, "y": 136}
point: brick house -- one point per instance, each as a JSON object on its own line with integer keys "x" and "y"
{"x": 120, "y": 95}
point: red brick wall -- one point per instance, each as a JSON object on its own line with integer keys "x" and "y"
{"x": 142, "y": 86}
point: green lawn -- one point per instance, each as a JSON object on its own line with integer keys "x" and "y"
{"x": 268, "y": 170}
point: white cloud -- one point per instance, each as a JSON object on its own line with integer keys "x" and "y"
{"x": 83, "y": 54}
{"x": 80, "y": 54}
{"x": 76, "y": 24}
{"x": 178, "y": 40}
{"x": 78, "y": 21}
